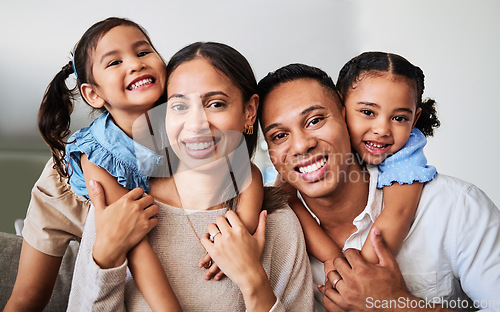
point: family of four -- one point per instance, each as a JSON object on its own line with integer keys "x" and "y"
{"x": 171, "y": 214}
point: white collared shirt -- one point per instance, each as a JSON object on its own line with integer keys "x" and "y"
{"x": 452, "y": 250}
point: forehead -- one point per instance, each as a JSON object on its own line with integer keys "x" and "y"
{"x": 119, "y": 36}
{"x": 286, "y": 102}
{"x": 388, "y": 86}
{"x": 198, "y": 76}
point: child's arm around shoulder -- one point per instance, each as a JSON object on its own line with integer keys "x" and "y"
{"x": 144, "y": 265}
{"x": 318, "y": 243}
{"x": 248, "y": 209}
{"x": 250, "y": 201}
{"x": 400, "y": 206}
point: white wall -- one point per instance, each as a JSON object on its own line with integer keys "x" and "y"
{"x": 455, "y": 42}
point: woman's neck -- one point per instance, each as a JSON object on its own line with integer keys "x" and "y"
{"x": 205, "y": 187}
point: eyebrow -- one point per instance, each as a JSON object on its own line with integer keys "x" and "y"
{"x": 304, "y": 112}
{"x": 135, "y": 45}
{"x": 401, "y": 109}
{"x": 203, "y": 96}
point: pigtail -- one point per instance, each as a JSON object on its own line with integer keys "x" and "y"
{"x": 54, "y": 117}
{"x": 428, "y": 120}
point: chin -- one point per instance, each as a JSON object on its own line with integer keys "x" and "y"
{"x": 317, "y": 189}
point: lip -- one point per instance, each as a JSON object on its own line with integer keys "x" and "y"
{"x": 200, "y": 147}
{"x": 313, "y": 169}
{"x": 376, "y": 148}
{"x": 141, "y": 78}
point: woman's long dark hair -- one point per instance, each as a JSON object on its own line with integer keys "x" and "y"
{"x": 58, "y": 100}
{"x": 376, "y": 63}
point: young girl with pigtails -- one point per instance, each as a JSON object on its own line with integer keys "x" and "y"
{"x": 120, "y": 73}
{"x": 388, "y": 122}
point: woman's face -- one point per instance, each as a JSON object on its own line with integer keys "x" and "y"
{"x": 206, "y": 115}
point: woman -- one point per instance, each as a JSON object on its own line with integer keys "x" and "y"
{"x": 281, "y": 284}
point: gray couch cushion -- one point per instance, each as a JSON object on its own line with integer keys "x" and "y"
{"x": 10, "y": 249}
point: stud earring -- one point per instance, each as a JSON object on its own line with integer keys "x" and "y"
{"x": 249, "y": 130}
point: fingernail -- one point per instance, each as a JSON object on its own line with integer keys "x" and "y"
{"x": 92, "y": 184}
{"x": 265, "y": 213}
{"x": 376, "y": 230}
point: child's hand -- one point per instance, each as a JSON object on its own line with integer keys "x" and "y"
{"x": 213, "y": 269}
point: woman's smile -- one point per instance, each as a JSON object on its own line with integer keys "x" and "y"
{"x": 200, "y": 147}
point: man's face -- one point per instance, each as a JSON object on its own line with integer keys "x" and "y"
{"x": 307, "y": 137}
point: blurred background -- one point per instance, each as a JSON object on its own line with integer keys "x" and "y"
{"x": 455, "y": 42}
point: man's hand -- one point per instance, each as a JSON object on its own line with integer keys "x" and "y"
{"x": 355, "y": 279}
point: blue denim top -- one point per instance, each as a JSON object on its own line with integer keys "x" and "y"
{"x": 408, "y": 164}
{"x": 107, "y": 146}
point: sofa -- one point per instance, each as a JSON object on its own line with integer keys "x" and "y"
{"x": 10, "y": 249}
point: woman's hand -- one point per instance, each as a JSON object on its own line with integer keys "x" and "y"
{"x": 121, "y": 225}
{"x": 238, "y": 253}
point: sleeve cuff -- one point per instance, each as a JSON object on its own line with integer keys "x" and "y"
{"x": 278, "y": 306}
{"x": 109, "y": 278}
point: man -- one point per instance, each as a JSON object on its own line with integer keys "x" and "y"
{"x": 452, "y": 251}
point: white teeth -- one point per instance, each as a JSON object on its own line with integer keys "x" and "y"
{"x": 313, "y": 167}
{"x": 375, "y": 145}
{"x": 141, "y": 83}
{"x": 199, "y": 146}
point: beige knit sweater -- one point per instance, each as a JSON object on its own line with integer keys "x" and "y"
{"x": 284, "y": 259}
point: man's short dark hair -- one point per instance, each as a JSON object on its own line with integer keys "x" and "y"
{"x": 294, "y": 72}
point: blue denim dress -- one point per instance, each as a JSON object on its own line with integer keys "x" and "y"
{"x": 408, "y": 164}
{"x": 107, "y": 146}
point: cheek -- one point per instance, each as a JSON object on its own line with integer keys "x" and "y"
{"x": 173, "y": 126}
{"x": 342, "y": 140}
{"x": 355, "y": 126}
{"x": 276, "y": 156}
{"x": 402, "y": 136}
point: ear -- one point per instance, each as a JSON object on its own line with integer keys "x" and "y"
{"x": 417, "y": 115}
{"x": 90, "y": 96}
{"x": 251, "y": 110}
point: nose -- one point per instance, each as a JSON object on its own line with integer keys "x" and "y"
{"x": 136, "y": 64}
{"x": 196, "y": 120}
{"x": 303, "y": 143}
{"x": 381, "y": 127}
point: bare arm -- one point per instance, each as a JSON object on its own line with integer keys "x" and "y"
{"x": 318, "y": 243}
{"x": 250, "y": 201}
{"x": 144, "y": 265}
{"x": 249, "y": 207}
{"x": 35, "y": 280}
{"x": 400, "y": 205}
